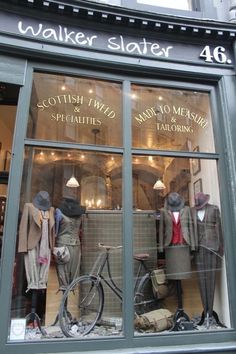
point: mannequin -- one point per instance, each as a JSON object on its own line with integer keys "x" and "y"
{"x": 208, "y": 234}
{"x": 176, "y": 237}
{"x": 68, "y": 249}
{"x": 36, "y": 240}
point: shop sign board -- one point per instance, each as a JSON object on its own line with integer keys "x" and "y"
{"x": 154, "y": 45}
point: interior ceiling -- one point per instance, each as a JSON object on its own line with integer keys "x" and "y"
{"x": 8, "y": 94}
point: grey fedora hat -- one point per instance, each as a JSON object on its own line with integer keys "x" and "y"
{"x": 201, "y": 199}
{"x": 175, "y": 202}
{"x": 42, "y": 200}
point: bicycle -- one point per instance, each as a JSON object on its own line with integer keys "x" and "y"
{"x": 79, "y": 315}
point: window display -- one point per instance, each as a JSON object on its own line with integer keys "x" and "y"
{"x": 71, "y": 239}
{"x": 60, "y": 230}
{"x": 188, "y": 259}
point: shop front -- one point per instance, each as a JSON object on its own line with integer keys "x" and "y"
{"x": 117, "y": 183}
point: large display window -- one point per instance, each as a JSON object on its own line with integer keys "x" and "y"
{"x": 69, "y": 259}
{"x": 72, "y": 109}
{"x": 179, "y": 199}
{"x": 69, "y": 205}
{"x": 167, "y": 119}
{"x": 180, "y": 248}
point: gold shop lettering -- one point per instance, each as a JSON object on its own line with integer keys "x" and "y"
{"x": 68, "y": 118}
{"x": 172, "y": 113}
{"x": 59, "y": 99}
{"x": 77, "y": 102}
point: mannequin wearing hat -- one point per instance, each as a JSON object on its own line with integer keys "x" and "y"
{"x": 36, "y": 240}
{"x": 208, "y": 234}
{"x": 176, "y": 238}
{"x": 68, "y": 249}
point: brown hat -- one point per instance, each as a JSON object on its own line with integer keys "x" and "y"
{"x": 42, "y": 201}
{"x": 201, "y": 200}
{"x": 175, "y": 202}
{"x": 71, "y": 207}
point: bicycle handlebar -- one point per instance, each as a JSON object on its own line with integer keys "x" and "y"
{"x": 101, "y": 245}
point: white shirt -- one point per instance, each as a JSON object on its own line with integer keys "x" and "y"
{"x": 176, "y": 215}
{"x": 201, "y": 214}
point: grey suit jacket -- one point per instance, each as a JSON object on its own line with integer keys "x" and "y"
{"x": 166, "y": 228}
{"x": 212, "y": 237}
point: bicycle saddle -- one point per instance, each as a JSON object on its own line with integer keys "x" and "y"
{"x": 141, "y": 256}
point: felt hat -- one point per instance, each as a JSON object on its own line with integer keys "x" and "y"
{"x": 175, "y": 202}
{"x": 42, "y": 200}
{"x": 71, "y": 207}
{"x": 201, "y": 200}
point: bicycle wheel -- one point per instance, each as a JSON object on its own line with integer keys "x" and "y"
{"x": 144, "y": 299}
{"x": 81, "y": 306}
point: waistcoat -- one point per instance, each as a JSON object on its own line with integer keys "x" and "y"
{"x": 69, "y": 231}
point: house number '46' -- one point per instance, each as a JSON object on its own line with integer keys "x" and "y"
{"x": 215, "y": 54}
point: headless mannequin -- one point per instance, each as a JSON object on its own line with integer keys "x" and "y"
{"x": 68, "y": 226}
{"x": 177, "y": 238}
{"x": 36, "y": 239}
{"x": 208, "y": 233}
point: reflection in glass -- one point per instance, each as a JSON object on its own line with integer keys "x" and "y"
{"x": 181, "y": 4}
{"x": 168, "y": 119}
{"x": 74, "y": 109}
{"x": 183, "y": 268}
{"x": 60, "y": 228}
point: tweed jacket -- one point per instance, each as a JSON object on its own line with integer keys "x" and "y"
{"x": 212, "y": 237}
{"x": 166, "y": 228}
{"x": 30, "y": 231}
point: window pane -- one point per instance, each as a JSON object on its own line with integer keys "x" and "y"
{"x": 75, "y": 109}
{"x": 68, "y": 206}
{"x": 8, "y": 105}
{"x": 180, "y": 4}
{"x": 179, "y": 214}
{"x": 168, "y": 119}
{"x": 109, "y": 2}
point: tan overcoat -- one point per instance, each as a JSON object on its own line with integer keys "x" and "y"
{"x": 30, "y": 230}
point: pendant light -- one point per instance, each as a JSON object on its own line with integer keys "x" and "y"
{"x": 159, "y": 185}
{"x": 72, "y": 182}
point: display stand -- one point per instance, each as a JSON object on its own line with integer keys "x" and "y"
{"x": 179, "y": 315}
{"x": 207, "y": 317}
{"x": 33, "y": 317}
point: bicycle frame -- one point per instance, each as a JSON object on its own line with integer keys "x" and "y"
{"x": 100, "y": 263}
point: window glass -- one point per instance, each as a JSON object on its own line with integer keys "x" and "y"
{"x": 179, "y": 265}
{"x": 109, "y": 2}
{"x": 70, "y": 203}
{"x": 168, "y": 119}
{"x": 8, "y": 104}
{"x": 73, "y": 109}
{"x": 180, "y": 4}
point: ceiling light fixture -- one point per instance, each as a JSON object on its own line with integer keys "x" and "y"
{"x": 72, "y": 182}
{"x": 159, "y": 185}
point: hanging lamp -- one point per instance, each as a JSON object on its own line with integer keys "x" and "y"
{"x": 159, "y": 185}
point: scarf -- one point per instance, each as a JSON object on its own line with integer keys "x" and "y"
{"x": 44, "y": 244}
